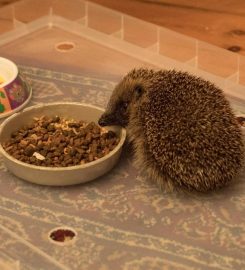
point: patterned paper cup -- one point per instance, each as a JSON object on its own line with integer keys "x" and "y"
{"x": 15, "y": 93}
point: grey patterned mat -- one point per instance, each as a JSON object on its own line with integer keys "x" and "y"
{"x": 121, "y": 219}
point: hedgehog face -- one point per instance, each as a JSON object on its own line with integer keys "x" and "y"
{"x": 122, "y": 99}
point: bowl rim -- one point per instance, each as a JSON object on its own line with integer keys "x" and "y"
{"x": 15, "y": 68}
{"x": 69, "y": 168}
{"x": 29, "y": 90}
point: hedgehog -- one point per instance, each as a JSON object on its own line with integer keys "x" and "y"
{"x": 183, "y": 131}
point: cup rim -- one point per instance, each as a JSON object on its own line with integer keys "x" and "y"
{"x": 15, "y": 71}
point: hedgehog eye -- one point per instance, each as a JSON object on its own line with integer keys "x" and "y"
{"x": 139, "y": 90}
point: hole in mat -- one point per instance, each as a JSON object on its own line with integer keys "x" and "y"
{"x": 62, "y": 235}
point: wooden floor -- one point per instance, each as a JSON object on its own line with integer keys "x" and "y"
{"x": 219, "y": 22}
{"x": 6, "y": 2}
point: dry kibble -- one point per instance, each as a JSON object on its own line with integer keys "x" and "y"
{"x": 29, "y": 151}
{"x": 58, "y": 142}
{"x": 77, "y": 142}
{"x": 90, "y": 157}
{"x": 51, "y": 127}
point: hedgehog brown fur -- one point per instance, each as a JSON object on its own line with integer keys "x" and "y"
{"x": 182, "y": 128}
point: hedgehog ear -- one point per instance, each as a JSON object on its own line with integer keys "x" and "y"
{"x": 139, "y": 90}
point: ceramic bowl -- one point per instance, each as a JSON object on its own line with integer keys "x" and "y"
{"x": 60, "y": 176}
{"x": 15, "y": 93}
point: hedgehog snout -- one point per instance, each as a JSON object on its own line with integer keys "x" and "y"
{"x": 107, "y": 120}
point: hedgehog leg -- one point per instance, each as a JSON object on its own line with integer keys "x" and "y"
{"x": 146, "y": 164}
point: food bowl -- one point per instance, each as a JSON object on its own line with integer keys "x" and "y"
{"x": 15, "y": 92}
{"x": 59, "y": 176}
